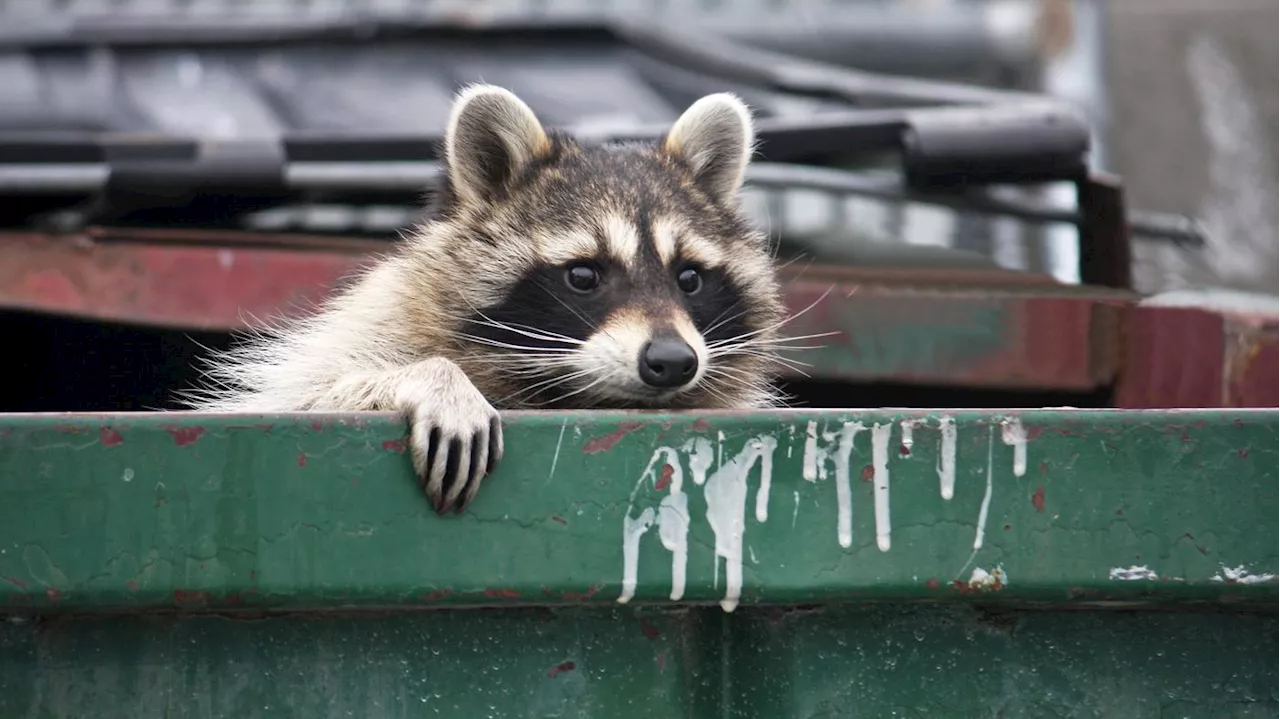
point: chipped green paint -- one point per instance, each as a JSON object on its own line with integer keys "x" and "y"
{"x": 204, "y": 512}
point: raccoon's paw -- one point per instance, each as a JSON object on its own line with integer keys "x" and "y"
{"x": 456, "y": 434}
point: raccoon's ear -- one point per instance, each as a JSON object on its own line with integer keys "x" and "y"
{"x": 490, "y": 136}
{"x": 715, "y": 137}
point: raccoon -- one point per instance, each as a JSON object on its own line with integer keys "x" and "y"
{"x": 549, "y": 275}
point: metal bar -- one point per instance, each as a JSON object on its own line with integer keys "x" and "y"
{"x": 415, "y": 176}
{"x": 203, "y": 512}
{"x": 1106, "y": 258}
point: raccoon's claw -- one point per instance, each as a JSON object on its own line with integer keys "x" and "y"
{"x": 457, "y": 440}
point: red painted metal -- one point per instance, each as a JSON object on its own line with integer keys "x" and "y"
{"x": 173, "y": 284}
{"x": 976, "y": 328}
{"x": 1178, "y": 357}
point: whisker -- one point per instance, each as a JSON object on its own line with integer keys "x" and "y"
{"x": 527, "y": 331}
{"x": 522, "y": 348}
{"x": 563, "y": 397}
{"x": 554, "y": 381}
{"x": 780, "y": 323}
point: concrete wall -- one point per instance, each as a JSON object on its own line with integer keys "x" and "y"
{"x": 1192, "y": 129}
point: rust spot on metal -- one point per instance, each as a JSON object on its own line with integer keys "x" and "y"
{"x": 561, "y": 667}
{"x": 559, "y": 520}
{"x": 1243, "y": 454}
{"x": 54, "y": 595}
{"x": 1037, "y": 499}
{"x": 183, "y": 436}
{"x": 131, "y": 585}
{"x": 581, "y": 596}
{"x": 69, "y": 429}
{"x": 932, "y": 583}
{"x": 664, "y": 480}
{"x": 16, "y": 582}
{"x": 396, "y": 445}
{"x": 650, "y": 632}
{"x": 1119, "y": 512}
{"x": 302, "y": 460}
{"x": 502, "y": 594}
{"x": 1008, "y": 527}
{"x": 904, "y": 450}
{"x": 436, "y": 595}
{"x": 701, "y": 425}
{"x": 109, "y": 437}
{"x": 868, "y": 473}
{"x": 607, "y": 442}
{"x": 190, "y": 597}
{"x": 316, "y": 426}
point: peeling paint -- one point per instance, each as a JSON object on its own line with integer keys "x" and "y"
{"x": 184, "y": 436}
{"x": 985, "y": 581}
{"x": 110, "y": 437}
{"x": 609, "y": 441}
{"x": 1130, "y": 574}
{"x": 561, "y": 668}
{"x": 1240, "y": 575}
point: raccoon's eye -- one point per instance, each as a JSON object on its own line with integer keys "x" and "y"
{"x": 689, "y": 281}
{"x": 582, "y": 278}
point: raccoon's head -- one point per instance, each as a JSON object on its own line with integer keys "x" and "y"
{"x": 606, "y": 277}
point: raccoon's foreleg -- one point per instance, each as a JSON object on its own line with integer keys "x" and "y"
{"x": 456, "y": 434}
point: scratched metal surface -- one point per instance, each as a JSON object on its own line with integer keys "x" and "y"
{"x": 872, "y": 662}
{"x": 200, "y": 512}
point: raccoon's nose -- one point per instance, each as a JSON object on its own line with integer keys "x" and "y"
{"x": 667, "y": 362}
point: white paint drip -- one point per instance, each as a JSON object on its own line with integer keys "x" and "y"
{"x": 880, "y": 435}
{"x": 908, "y": 436}
{"x": 810, "y": 471}
{"x": 795, "y": 512}
{"x": 1131, "y": 574}
{"x": 673, "y": 522}
{"x": 726, "y": 495}
{"x": 1240, "y": 575}
{"x": 632, "y": 531}
{"x": 672, "y": 519}
{"x": 947, "y": 458}
{"x": 1015, "y": 435}
{"x": 844, "y": 494}
{"x": 766, "y": 481}
{"x": 700, "y": 457}
{"x": 986, "y": 498}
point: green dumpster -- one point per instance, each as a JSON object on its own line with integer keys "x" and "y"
{"x": 1053, "y": 563}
